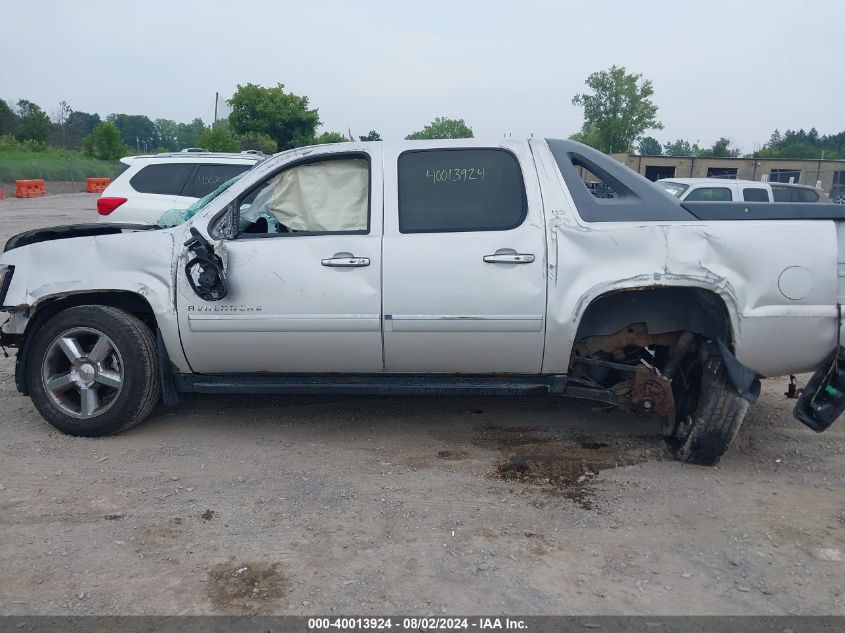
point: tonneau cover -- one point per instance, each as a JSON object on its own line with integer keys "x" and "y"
{"x": 765, "y": 211}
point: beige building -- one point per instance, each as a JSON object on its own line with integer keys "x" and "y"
{"x": 829, "y": 173}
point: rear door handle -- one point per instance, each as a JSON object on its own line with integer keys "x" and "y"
{"x": 509, "y": 258}
{"x": 346, "y": 262}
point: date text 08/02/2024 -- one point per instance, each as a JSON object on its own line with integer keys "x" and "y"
{"x": 416, "y": 623}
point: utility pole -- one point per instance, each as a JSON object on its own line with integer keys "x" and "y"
{"x": 216, "y": 98}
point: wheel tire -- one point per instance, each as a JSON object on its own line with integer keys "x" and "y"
{"x": 131, "y": 343}
{"x": 839, "y": 199}
{"x": 705, "y": 435}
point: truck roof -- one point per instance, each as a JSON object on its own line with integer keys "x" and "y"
{"x": 697, "y": 181}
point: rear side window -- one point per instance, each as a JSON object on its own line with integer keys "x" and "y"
{"x": 445, "y": 191}
{"x": 165, "y": 179}
{"x": 755, "y": 194}
{"x": 709, "y": 194}
{"x": 782, "y": 194}
{"x": 208, "y": 177}
{"x": 808, "y": 195}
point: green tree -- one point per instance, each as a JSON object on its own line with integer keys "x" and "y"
{"x": 105, "y": 143}
{"x": 330, "y": 137}
{"x": 79, "y": 125}
{"x": 33, "y": 122}
{"x": 283, "y": 116}
{"x": 219, "y": 138}
{"x": 188, "y": 134}
{"x": 588, "y": 135}
{"x": 442, "y": 127}
{"x": 801, "y": 144}
{"x": 260, "y": 142}
{"x": 619, "y": 108}
{"x": 720, "y": 149}
{"x": 165, "y": 134}
{"x": 649, "y": 146}
{"x": 681, "y": 148}
{"x": 136, "y": 130}
{"x": 58, "y": 128}
{"x": 372, "y": 136}
{"x": 8, "y": 119}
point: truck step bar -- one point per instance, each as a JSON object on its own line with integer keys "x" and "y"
{"x": 390, "y": 384}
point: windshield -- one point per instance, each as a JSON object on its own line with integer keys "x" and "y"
{"x": 174, "y": 217}
{"x": 675, "y": 188}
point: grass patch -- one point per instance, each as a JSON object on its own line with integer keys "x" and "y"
{"x": 52, "y": 164}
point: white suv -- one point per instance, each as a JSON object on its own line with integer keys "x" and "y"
{"x": 151, "y": 185}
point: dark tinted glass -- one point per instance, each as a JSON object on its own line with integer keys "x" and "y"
{"x": 808, "y": 195}
{"x": 755, "y": 195}
{"x": 166, "y": 179}
{"x": 781, "y": 194}
{"x": 709, "y": 194}
{"x": 208, "y": 177}
{"x": 460, "y": 190}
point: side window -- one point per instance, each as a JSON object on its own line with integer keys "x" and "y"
{"x": 446, "y": 191}
{"x": 325, "y": 196}
{"x": 782, "y": 194}
{"x": 808, "y": 195}
{"x": 755, "y": 194}
{"x": 208, "y": 177}
{"x": 164, "y": 179}
{"x": 709, "y": 194}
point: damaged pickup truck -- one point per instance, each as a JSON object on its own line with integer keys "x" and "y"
{"x": 444, "y": 267}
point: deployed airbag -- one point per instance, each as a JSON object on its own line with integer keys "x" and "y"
{"x": 331, "y": 195}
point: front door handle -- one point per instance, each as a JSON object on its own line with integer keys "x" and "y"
{"x": 347, "y": 261}
{"x": 509, "y": 258}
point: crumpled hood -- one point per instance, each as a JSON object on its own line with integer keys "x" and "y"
{"x": 73, "y": 230}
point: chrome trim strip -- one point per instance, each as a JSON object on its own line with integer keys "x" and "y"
{"x": 464, "y": 317}
{"x": 463, "y": 323}
{"x": 284, "y": 323}
{"x": 275, "y": 317}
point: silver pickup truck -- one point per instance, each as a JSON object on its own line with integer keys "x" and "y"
{"x": 444, "y": 267}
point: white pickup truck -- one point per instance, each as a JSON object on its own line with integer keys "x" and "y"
{"x": 446, "y": 267}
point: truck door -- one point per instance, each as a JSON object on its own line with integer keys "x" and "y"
{"x": 303, "y": 273}
{"x": 464, "y": 252}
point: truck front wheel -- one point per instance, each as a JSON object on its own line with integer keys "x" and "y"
{"x": 92, "y": 371}
{"x": 709, "y": 413}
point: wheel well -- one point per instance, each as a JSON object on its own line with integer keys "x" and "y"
{"x": 662, "y": 310}
{"x": 634, "y": 342}
{"x": 122, "y": 299}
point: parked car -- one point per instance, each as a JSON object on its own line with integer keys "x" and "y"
{"x": 445, "y": 267}
{"x": 150, "y": 185}
{"x": 837, "y": 194}
{"x": 788, "y": 192}
{"x": 717, "y": 190}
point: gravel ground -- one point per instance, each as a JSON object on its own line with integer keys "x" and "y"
{"x": 303, "y": 505}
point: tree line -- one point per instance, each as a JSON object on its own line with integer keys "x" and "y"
{"x": 267, "y": 119}
{"x": 618, "y": 110}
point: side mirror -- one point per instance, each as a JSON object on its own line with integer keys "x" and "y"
{"x": 224, "y": 228}
{"x": 205, "y": 269}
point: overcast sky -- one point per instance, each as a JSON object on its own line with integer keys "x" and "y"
{"x": 738, "y": 68}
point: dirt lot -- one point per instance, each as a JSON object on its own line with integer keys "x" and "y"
{"x": 304, "y": 505}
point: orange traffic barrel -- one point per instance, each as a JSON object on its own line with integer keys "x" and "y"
{"x": 96, "y": 185}
{"x": 29, "y": 188}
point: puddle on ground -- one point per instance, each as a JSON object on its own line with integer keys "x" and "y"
{"x": 452, "y": 455}
{"x": 561, "y": 467}
{"x": 247, "y": 587}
